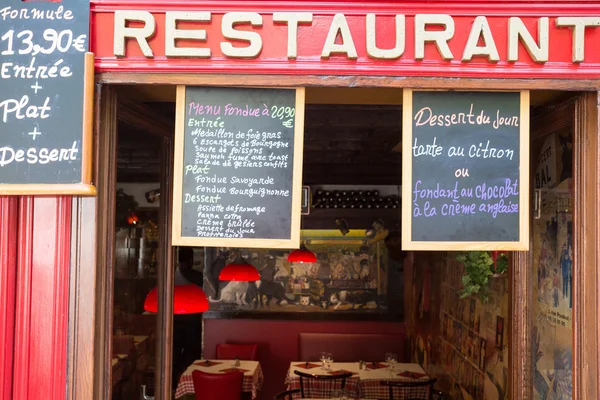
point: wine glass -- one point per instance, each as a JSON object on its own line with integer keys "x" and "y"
{"x": 323, "y": 359}
{"x": 329, "y": 359}
{"x": 391, "y": 360}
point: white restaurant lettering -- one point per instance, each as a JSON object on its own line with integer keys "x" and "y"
{"x": 480, "y": 42}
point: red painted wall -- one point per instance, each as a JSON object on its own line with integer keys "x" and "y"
{"x": 312, "y": 37}
{"x": 278, "y": 341}
{"x": 8, "y": 267}
{"x": 35, "y": 251}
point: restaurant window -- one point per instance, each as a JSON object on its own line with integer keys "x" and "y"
{"x": 552, "y": 252}
{"x": 136, "y": 266}
{"x": 352, "y": 168}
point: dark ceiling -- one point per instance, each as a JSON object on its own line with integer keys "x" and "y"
{"x": 343, "y": 144}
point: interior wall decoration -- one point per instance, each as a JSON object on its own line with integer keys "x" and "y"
{"x": 458, "y": 340}
{"x": 553, "y": 295}
{"x": 350, "y": 278}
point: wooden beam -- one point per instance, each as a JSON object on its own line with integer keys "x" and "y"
{"x": 240, "y": 80}
{"x": 356, "y": 174}
{"x": 165, "y": 279}
{"x": 145, "y": 118}
{"x": 354, "y": 134}
{"x": 106, "y": 182}
{"x": 586, "y": 249}
{"x": 558, "y": 118}
{"x": 520, "y": 327}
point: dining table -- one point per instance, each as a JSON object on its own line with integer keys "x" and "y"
{"x": 253, "y": 375}
{"x": 364, "y": 383}
{"x": 118, "y": 362}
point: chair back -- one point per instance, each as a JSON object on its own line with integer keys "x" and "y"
{"x": 122, "y": 344}
{"x": 231, "y": 351}
{"x": 287, "y": 395}
{"x": 410, "y": 390}
{"x": 226, "y": 386}
{"x": 321, "y": 386}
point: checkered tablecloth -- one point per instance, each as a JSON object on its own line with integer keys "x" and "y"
{"x": 366, "y": 384}
{"x": 253, "y": 376}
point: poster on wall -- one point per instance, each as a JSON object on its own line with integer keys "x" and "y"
{"x": 238, "y": 167}
{"x": 553, "y": 295}
{"x": 465, "y": 169}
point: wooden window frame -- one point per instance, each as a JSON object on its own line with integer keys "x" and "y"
{"x": 586, "y": 249}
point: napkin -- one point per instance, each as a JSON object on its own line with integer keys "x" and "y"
{"x": 375, "y": 365}
{"x": 206, "y": 363}
{"x": 413, "y": 375}
{"x": 307, "y": 365}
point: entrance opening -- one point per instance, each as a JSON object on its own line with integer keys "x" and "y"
{"x": 364, "y": 299}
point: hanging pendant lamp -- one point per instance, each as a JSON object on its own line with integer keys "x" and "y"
{"x": 239, "y": 270}
{"x": 187, "y": 299}
{"x": 302, "y": 255}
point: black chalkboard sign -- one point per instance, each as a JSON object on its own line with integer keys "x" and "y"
{"x": 465, "y": 179}
{"x": 44, "y": 134}
{"x": 238, "y": 167}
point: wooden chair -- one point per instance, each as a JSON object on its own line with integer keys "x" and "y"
{"x": 226, "y": 386}
{"x": 410, "y": 390}
{"x": 122, "y": 344}
{"x": 287, "y": 395}
{"x": 321, "y": 386}
{"x": 228, "y": 351}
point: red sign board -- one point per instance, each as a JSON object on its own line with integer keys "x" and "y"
{"x": 500, "y": 40}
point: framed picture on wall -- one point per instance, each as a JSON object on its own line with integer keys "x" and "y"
{"x": 349, "y": 280}
{"x": 482, "y": 355}
{"x": 499, "y": 332}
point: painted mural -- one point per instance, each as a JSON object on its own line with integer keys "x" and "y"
{"x": 553, "y": 270}
{"x": 553, "y": 295}
{"x": 462, "y": 342}
{"x": 350, "y": 275}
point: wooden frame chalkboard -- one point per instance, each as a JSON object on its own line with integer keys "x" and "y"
{"x": 439, "y": 232}
{"x": 85, "y": 187}
{"x": 291, "y": 236}
{"x": 46, "y": 99}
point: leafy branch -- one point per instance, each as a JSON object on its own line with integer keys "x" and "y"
{"x": 479, "y": 267}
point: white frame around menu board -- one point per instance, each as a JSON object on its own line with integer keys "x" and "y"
{"x": 407, "y": 139}
{"x": 294, "y": 241}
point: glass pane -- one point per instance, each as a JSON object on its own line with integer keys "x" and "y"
{"x": 135, "y": 268}
{"x": 553, "y": 270}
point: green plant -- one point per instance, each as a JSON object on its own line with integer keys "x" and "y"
{"x": 479, "y": 267}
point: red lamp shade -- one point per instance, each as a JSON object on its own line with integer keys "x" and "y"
{"x": 239, "y": 270}
{"x": 187, "y": 299}
{"x": 302, "y": 255}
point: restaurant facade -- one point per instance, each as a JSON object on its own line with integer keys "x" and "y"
{"x": 349, "y": 63}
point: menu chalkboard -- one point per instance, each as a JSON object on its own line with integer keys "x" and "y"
{"x": 238, "y": 167}
{"x": 465, "y": 182}
{"x": 46, "y": 97}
